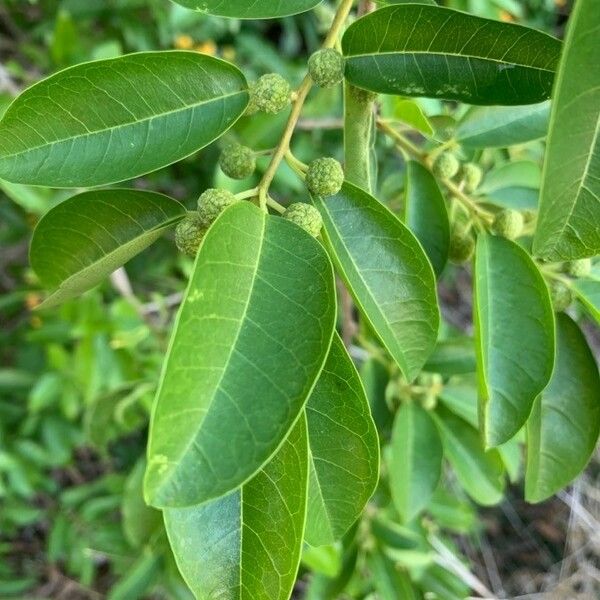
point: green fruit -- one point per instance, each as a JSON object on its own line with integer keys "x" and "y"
{"x": 212, "y": 203}
{"x": 270, "y": 94}
{"x": 508, "y": 223}
{"x": 561, "y": 295}
{"x": 326, "y": 67}
{"x": 324, "y": 177}
{"x": 462, "y": 246}
{"x": 446, "y": 166}
{"x": 579, "y": 268}
{"x": 305, "y": 215}
{"x": 189, "y": 233}
{"x": 237, "y": 161}
{"x": 472, "y": 175}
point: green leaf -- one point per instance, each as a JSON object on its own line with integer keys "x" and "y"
{"x": 386, "y": 271}
{"x": 415, "y": 463}
{"x": 250, "y": 9}
{"x": 389, "y": 581}
{"x": 514, "y": 324}
{"x": 375, "y": 377}
{"x": 247, "y": 545}
{"x": 344, "y": 449}
{"x": 112, "y": 120}
{"x": 326, "y": 560}
{"x": 82, "y": 240}
{"x": 479, "y": 472}
{"x": 409, "y": 112}
{"x": 138, "y": 579}
{"x": 425, "y": 214}
{"x": 563, "y": 429}
{"x": 502, "y": 126}
{"x": 454, "y": 356}
{"x": 414, "y": 50}
{"x": 258, "y": 314}
{"x": 588, "y": 292}
{"x": 570, "y": 198}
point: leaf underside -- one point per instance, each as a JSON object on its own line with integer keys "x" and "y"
{"x": 250, "y": 9}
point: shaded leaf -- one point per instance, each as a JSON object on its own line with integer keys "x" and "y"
{"x": 588, "y": 292}
{"x": 415, "y": 464}
{"x": 258, "y": 315}
{"x": 415, "y": 50}
{"x": 390, "y": 582}
{"x": 563, "y": 428}
{"x": 567, "y": 225}
{"x": 425, "y": 214}
{"x": 250, "y": 9}
{"x": 375, "y": 377}
{"x": 247, "y": 545}
{"x": 111, "y": 120}
{"x": 514, "y": 324}
{"x": 82, "y": 240}
{"x": 386, "y": 271}
{"x": 344, "y": 449}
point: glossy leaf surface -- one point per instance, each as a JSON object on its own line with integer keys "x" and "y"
{"x": 82, "y": 240}
{"x": 344, "y": 449}
{"x": 425, "y": 214}
{"x": 247, "y": 545}
{"x": 250, "y": 340}
{"x": 386, "y": 271}
{"x": 479, "y": 472}
{"x": 416, "y": 460}
{"x": 514, "y": 336}
{"x": 111, "y": 120}
{"x": 250, "y": 9}
{"x": 563, "y": 429}
{"x": 502, "y": 126}
{"x": 415, "y": 50}
{"x": 570, "y": 199}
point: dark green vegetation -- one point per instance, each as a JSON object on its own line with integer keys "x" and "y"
{"x": 336, "y": 319}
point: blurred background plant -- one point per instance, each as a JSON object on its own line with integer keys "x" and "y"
{"x": 77, "y": 382}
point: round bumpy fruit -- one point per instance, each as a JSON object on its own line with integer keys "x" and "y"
{"x": 237, "y": 161}
{"x": 446, "y": 166}
{"x": 324, "y": 177}
{"x": 561, "y": 295}
{"x": 305, "y": 215}
{"x": 462, "y": 246}
{"x": 189, "y": 233}
{"x": 212, "y": 203}
{"x": 472, "y": 175}
{"x": 508, "y": 223}
{"x": 270, "y": 94}
{"x": 326, "y": 67}
{"x": 579, "y": 268}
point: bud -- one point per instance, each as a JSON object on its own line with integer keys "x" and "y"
{"x": 324, "y": 177}
{"x": 446, "y": 166}
{"x": 305, "y": 215}
{"x": 270, "y": 94}
{"x": 189, "y": 233}
{"x": 326, "y": 67}
{"x": 237, "y": 161}
{"x": 579, "y": 268}
{"x": 462, "y": 246}
{"x": 508, "y": 223}
{"x": 561, "y": 295}
{"x": 212, "y": 203}
{"x": 472, "y": 175}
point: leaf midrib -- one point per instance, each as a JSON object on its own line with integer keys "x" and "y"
{"x": 120, "y": 126}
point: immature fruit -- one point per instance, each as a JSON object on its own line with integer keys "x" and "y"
{"x": 212, "y": 203}
{"x": 270, "y": 94}
{"x": 561, "y": 295}
{"x": 324, "y": 177}
{"x": 508, "y": 223}
{"x": 237, "y": 161}
{"x": 472, "y": 175}
{"x": 462, "y": 246}
{"x": 326, "y": 67}
{"x": 189, "y": 233}
{"x": 579, "y": 268}
{"x": 305, "y": 215}
{"x": 446, "y": 166}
